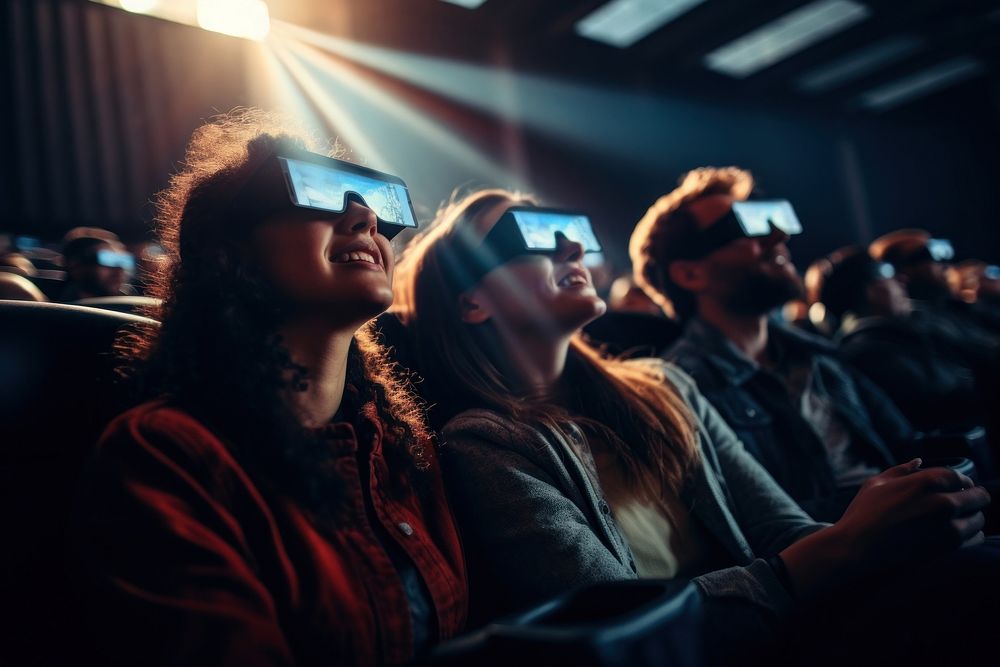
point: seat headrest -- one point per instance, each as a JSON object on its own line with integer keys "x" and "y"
{"x": 56, "y": 372}
{"x": 121, "y": 304}
{"x": 630, "y": 334}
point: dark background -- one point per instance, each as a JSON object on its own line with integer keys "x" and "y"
{"x": 100, "y": 103}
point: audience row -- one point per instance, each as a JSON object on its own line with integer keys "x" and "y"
{"x": 283, "y": 492}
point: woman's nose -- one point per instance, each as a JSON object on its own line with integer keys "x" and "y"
{"x": 567, "y": 250}
{"x": 776, "y": 237}
{"x": 356, "y": 219}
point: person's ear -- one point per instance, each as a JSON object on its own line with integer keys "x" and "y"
{"x": 687, "y": 274}
{"x": 473, "y": 307}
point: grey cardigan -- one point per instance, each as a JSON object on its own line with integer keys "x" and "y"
{"x": 535, "y": 523}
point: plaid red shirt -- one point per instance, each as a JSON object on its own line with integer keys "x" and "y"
{"x": 193, "y": 563}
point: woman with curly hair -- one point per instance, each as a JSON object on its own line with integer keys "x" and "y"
{"x": 276, "y": 498}
{"x": 567, "y": 468}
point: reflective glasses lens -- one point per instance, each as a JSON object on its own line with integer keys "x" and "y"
{"x": 116, "y": 260}
{"x": 941, "y": 250}
{"x": 756, "y": 217}
{"x": 539, "y": 229}
{"x": 326, "y": 188}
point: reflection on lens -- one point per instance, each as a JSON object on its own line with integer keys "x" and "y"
{"x": 325, "y": 188}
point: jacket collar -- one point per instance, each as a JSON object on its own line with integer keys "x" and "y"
{"x": 730, "y": 361}
{"x": 356, "y": 426}
{"x": 852, "y": 324}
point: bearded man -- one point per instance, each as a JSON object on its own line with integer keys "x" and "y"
{"x": 820, "y": 428}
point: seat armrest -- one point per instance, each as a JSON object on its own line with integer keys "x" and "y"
{"x": 633, "y": 623}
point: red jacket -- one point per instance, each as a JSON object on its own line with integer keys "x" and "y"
{"x": 193, "y": 563}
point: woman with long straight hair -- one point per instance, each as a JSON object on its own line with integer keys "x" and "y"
{"x": 568, "y": 468}
{"x": 275, "y": 499}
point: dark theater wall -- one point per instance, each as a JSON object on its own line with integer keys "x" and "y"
{"x": 101, "y": 103}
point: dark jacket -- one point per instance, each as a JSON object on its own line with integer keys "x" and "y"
{"x": 930, "y": 379}
{"x": 755, "y": 404}
{"x": 192, "y": 562}
{"x": 536, "y": 524}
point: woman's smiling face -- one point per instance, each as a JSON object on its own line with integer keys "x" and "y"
{"x": 338, "y": 265}
{"x": 548, "y": 292}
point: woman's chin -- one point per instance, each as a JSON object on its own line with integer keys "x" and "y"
{"x": 588, "y": 311}
{"x": 600, "y": 307}
{"x": 348, "y": 313}
{"x": 377, "y": 305}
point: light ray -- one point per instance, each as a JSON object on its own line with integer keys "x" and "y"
{"x": 276, "y": 89}
{"x": 429, "y": 130}
{"x": 323, "y": 95}
{"x": 601, "y": 118}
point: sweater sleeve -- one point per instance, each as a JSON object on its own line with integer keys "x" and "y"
{"x": 170, "y": 578}
{"x": 526, "y": 539}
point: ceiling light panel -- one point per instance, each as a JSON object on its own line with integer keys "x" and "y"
{"x": 622, "y": 23}
{"x": 922, "y": 83}
{"x": 859, "y": 63}
{"x": 470, "y": 4}
{"x": 785, "y": 36}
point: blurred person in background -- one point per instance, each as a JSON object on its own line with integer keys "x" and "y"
{"x": 921, "y": 268}
{"x": 817, "y": 426}
{"x": 931, "y": 380}
{"x": 963, "y": 279}
{"x": 922, "y": 263}
{"x": 97, "y": 264}
{"x": 276, "y": 499}
{"x": 978, "y": 284}
{"x": 819, "y": 321}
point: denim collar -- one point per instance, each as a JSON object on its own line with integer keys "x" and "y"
{"x": 735, "y": 366}
{"x": 851, "y": 324}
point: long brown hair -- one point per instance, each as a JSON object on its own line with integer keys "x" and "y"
{"x": 641, "y": 415}
{"x": 217, "y": 352}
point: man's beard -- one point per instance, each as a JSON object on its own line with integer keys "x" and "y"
{"x": 760, "y": 293}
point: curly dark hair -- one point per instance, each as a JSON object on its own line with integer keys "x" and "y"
{"x": 217, "y": 352}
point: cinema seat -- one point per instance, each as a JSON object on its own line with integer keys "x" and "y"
{"x": 632, "y": 334}
{"x": 56, "y": 395}
{"x": 642, "y": 623}
{"x": 122, "y": 304}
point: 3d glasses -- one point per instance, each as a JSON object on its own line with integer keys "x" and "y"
{"x": 746, "y": 219}
{"x": 884, "y": 270}
{"x": 935, "y": 250}
{"x": 114, "y": 259}
{"x": 939, "y": 250}
{"x": 301, "y": 179}
{"x": 843, "y": 288}
{"x": 521, "y": 230}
